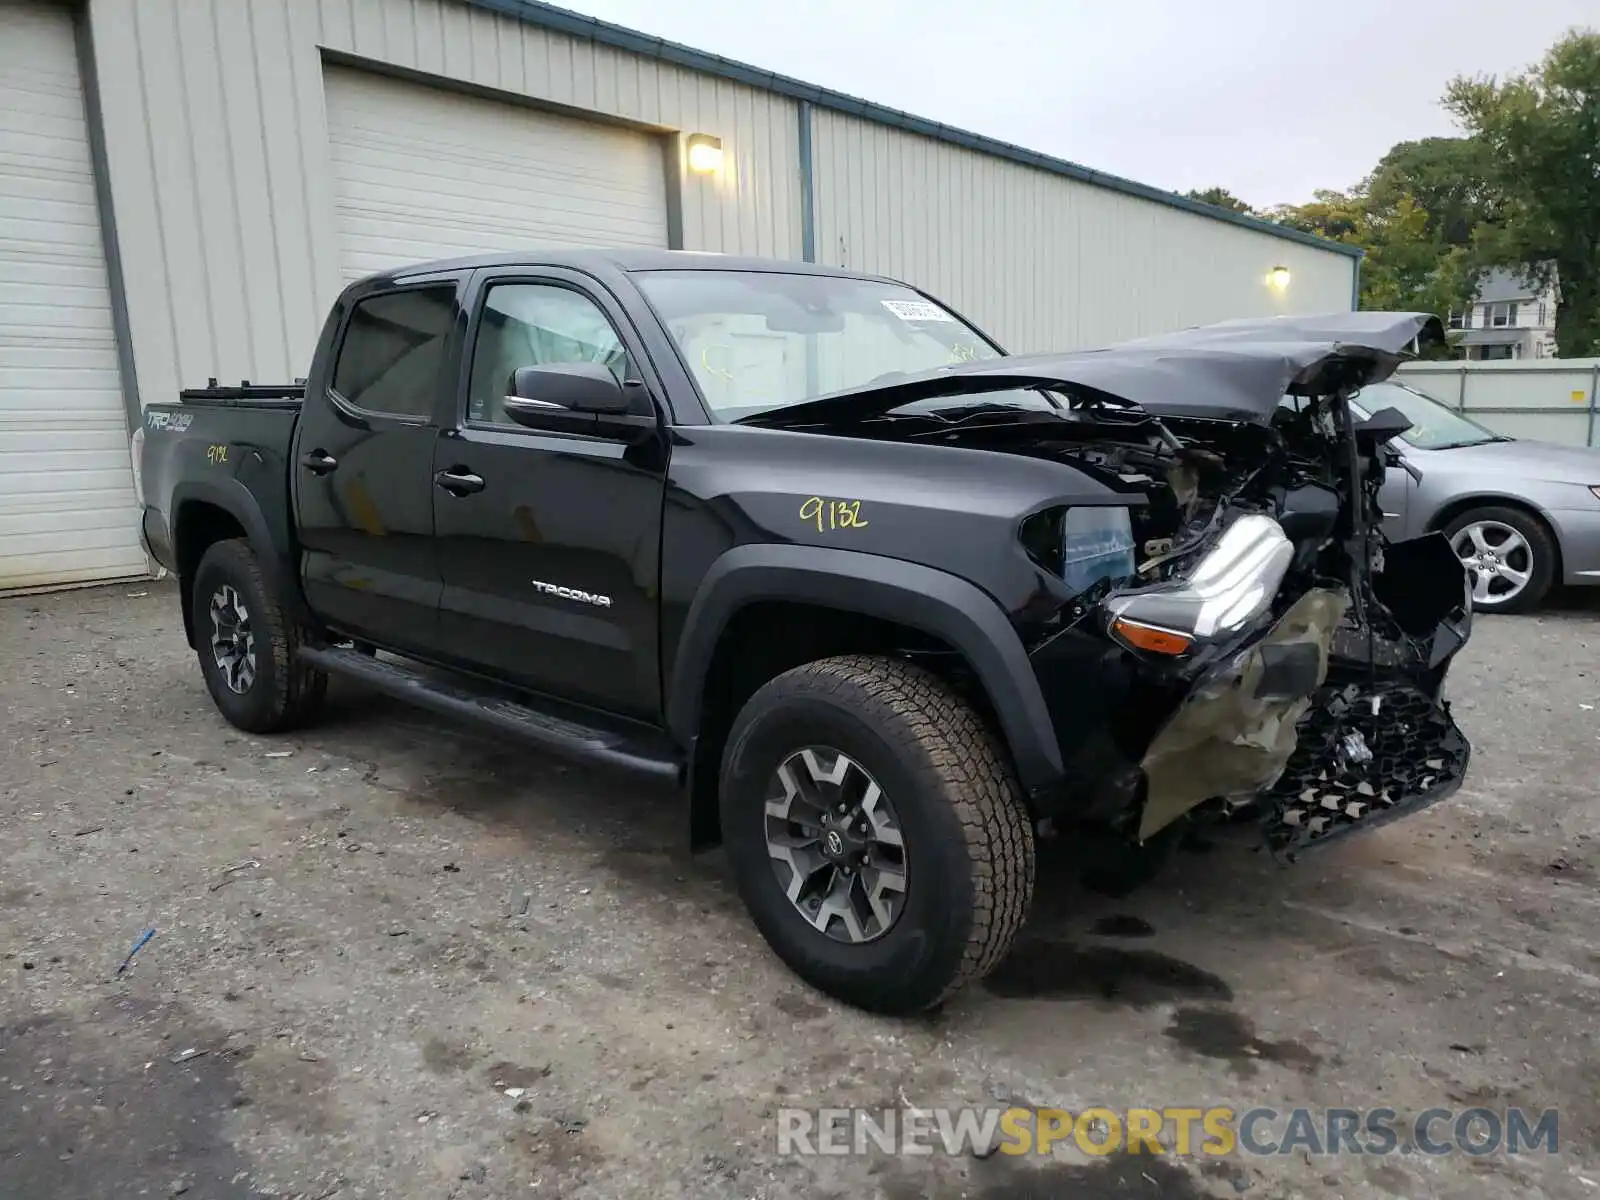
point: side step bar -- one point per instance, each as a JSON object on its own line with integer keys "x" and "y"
{"x": 427, "y": 689}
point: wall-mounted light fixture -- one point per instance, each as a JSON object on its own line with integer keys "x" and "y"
{"x": 705, "y": 153}
{"x": 1278, "y": 279}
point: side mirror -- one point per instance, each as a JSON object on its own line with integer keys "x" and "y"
{"x": 1382, "y": 425}
{"x": 540, "y": 392}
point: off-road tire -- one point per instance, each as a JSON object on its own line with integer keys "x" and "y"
{"x": 285, "y": 692}
{"x": 1541, "y": 549}
{"x": 968, "y": 838}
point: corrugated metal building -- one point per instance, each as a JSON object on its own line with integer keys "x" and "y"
{"x": 186, "y": 184}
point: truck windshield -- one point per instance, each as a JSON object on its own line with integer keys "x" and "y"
{"x": 760, "y": 340}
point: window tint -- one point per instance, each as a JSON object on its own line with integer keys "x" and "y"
{"x": 530, "y": 325}
{"x": 394, "y": 350}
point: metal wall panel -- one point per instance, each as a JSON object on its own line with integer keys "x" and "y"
{"x": 424, "y": 173}
{"x": 66, "y": 483}
{"x": 1041, "y": 261}
{"x": 1546, "y": 399}
{"x": 216, "y": 138}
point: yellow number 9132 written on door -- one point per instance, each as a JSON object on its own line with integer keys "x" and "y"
{"x": 829, "y": 515}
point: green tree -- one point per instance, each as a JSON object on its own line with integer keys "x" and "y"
{"x": 1452, "y": 178}
{"x": 1541, "y": 134}
{"x": 1333, "y": 215}
{"x": 1220, "y": 197}
{"x": 1406, "y": 267}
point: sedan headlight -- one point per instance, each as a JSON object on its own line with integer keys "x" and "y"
{"x": 1229, "y": 588}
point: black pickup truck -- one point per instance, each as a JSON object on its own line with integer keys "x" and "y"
{"x": 881, "y": 599}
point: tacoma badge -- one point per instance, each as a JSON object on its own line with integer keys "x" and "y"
{"x": 566, "y": 593}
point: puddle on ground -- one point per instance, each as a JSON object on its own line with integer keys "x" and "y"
{"x": 1114, "y": 1177}
{"x": 1055, "y": 970}
{"x": 1121, "y": 925}
{"x": 84, "y": 1115}
{"x": 1229, "y": 1036}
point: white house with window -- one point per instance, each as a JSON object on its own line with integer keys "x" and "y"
{"x": 1511, "y": 318}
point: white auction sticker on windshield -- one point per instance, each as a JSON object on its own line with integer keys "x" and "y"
{"x": 917, "y": 310}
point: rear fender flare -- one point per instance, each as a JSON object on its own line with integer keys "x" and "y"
{"x": 233, "y": 498}
{"x": 933, "y": 601}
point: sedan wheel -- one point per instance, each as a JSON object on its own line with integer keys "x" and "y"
{"x": 1508, "y": 556}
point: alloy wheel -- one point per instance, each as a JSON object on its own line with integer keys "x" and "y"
{"x": 233, "y": 643}
{"x": 1498, "y": 560}
{"x": 835, "y": 844}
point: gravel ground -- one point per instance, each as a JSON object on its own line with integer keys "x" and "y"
{"x": 437, "y": 918}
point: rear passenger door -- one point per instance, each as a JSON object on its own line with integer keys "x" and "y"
{"x": 363, "y": 466}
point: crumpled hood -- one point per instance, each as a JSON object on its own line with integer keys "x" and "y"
{"x": 1231, "y": 371}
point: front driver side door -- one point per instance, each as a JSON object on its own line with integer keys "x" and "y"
{"x": 549, "y": 543}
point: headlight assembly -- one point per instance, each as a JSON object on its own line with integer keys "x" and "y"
{"x": 1232, "y": 585}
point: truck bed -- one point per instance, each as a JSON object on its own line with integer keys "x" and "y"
{"x": 217, "y": 443}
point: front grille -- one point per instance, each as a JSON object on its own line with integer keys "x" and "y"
{"x": 1354, "y": 770}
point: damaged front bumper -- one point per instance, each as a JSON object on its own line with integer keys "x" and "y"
{"x": 1356, "y": 738}
{"x": 1316, "y": 753}
{"x": 1236, "y": 732}
{"x": 1362, "y": 758}
{"x": 1321, "y": 723}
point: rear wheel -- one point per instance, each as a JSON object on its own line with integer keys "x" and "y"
{"x": 876, "y": 833}
{"x": 1509, "y": 556}
{"x": 248, "y": 646}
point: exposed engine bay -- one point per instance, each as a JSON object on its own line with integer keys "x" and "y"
{"x": 1270, "y": 651}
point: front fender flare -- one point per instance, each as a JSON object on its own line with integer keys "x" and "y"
{"x": 933, "y": 601}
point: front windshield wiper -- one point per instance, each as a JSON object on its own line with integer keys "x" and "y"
{"x": 1472, "y": 442}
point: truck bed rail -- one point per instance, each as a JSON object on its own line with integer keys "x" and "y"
{"x": 247, "y": 394}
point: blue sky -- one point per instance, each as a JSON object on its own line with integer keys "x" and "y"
{"x": 1270, "y": 100}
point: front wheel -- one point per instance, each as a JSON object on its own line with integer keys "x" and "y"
{"x": 1509, "y": 556}
{"x": 248, "y": 645}
{"x": 875, "y": 831}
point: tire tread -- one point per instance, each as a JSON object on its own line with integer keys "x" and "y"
{"x": 299, "y": 688}
{"x": 929, "y": 721}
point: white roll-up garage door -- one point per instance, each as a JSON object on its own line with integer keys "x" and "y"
{"x": 423, "y": 173}
{"x": 66, "y": 483}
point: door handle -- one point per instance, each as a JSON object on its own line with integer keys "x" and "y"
{"x": 319, "y": 462}
{"x": 459, "y": 481}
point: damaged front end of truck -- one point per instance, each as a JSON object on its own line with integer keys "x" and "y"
{"x": 1310, "y": 651}
{"x": 1238, "y": 637}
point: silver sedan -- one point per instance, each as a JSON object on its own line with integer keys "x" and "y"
{"x": 1522, "y": 516}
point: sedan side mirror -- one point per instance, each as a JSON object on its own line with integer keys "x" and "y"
{"x": 575, "y": 387}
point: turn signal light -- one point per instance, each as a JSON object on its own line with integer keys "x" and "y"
{"x": 1148, "y": 637}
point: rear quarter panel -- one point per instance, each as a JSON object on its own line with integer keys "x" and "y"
{"x": 1569, "y": 509}
{"x": 233, "y": 458}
